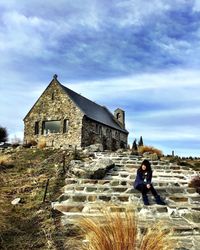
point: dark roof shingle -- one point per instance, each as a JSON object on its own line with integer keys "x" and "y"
{"x": 92, "y": 110}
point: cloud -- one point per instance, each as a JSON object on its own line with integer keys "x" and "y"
{"x": 142, "y": 56}
{"x": 95, "y": 40}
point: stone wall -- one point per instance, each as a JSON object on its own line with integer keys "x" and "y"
{"x": 54, "y": 104}
{"x": 93, "y": 132}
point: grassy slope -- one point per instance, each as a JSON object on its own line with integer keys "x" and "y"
{"x": 31, "y": 224}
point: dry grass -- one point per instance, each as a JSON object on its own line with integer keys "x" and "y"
{"x": 195, "y": 183}
{"x": 5, "y": 160}
{"x": 149, "y": 149}
{"x": 120, "y": 231}
{"x": 31, "y": 224}
{"x": 156, "y": 238}
{"x": 41, "y": 143}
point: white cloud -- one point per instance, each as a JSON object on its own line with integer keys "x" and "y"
{"x": 165, "y": 82}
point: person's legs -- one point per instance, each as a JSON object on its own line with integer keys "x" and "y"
{"x": 143, "y": 189}
{"x": 159, "y": 201}
{"x": 153, "y": 191}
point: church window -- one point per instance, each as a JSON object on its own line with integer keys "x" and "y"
{"x": 52, "y": 96}
{"x": 108, "y": 132}
{"x": 36, "y": 128}
{"x": 100, "y": 130}
{"x": 51, "y": 127}
{"x": 118, "y": 116}
{"x": 97, "y": 128}
{"x": 65, "y": 125}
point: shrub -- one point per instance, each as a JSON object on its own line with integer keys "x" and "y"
{"x": 140, "y": 143}
{"x": 195, "y": 183}
{"x": 120, "y": 231}
{"x": 30, "y": 144}
{"x": 5, "y": 160}
{"x": 134, "y": 146}
{"x": 42, "y": 143}
{"x": 149, "y": 149}
{"x": 3, "y": 134}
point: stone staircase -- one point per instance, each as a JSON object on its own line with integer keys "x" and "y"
{"x": 115, "y": 193}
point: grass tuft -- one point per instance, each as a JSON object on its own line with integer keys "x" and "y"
{"x": 119, "y": 231}
{"x": 41, "y": 143}
{"x": 149, "y": 149}
{"x": 5, "y": 160}
{"x": 195, "y": 183}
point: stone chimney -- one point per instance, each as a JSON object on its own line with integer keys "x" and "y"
{"x": 119, "y": 114}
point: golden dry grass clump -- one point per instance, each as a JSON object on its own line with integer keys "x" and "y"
{"x": 149, "y": 149}
{"x": 120, "y": 231}
{"x": 41, "y": 143}
{"x": 5, "y": 160}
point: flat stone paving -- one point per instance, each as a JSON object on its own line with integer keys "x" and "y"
{"x": 115, "y": 193}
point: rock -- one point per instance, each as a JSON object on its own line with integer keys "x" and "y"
{"x": 16, "y": 201}
{"x": 97, "y": 170}
{"x": 94, "y": 148}
{"x": 93, "y": 170}
{"x": 154, "y": 157}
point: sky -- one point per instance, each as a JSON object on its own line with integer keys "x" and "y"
{"x": 138, "y": 55}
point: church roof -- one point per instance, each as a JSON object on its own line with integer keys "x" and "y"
{"x": 93, "y": 110}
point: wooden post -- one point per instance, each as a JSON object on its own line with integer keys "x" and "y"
{"x": 64, "y": 171}
{"x": 45, "y": 192}
{"x": 172, "y": 153}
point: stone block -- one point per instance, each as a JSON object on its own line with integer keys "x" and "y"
{"x": 92, "y": 198}
{"x": 79, "y": 198}
{"x": 114, "y": 183}
{"x": 91, "y": 189}
{"x": 123, "y": 198}
{"x": 178, "y": 199}
{"x": 104, "y": 198}
{"x": 119, "y": 189}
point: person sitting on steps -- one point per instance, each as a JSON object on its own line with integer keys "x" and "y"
{"x": 143, "y": 183}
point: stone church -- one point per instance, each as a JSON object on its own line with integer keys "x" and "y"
{"x": 63, "y": 117}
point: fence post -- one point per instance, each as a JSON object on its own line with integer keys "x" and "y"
{"x": 45, "y": 192}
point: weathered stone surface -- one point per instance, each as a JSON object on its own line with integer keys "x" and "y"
{"x": 96, "y": 169}
{"x": 94, "y": 148}
{"x": 181, "y": 214}
{"x": 75, "y": 128}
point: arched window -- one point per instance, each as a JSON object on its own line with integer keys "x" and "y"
{"x": 100, "y": 130}
{"x": 65, "y": 125}
{"x": 52, "y": 96}
{"x": 36, "y": 128}
{"x": 118, "y": 116}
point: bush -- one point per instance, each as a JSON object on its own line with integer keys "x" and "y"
{"x": 195, "y": 183}
{"x": 30, "y": 144}
{"x": 120, "y": 231}
{"x": 5, "y": 160}
{"x": 149, "y": 149}
{"x": 41, "y": 143}
{"x": 3, "y": 134}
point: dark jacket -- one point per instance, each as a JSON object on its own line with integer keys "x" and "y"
{"x": 141, "y": 178}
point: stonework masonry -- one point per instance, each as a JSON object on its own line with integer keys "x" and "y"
{"x": 60, "y": 108}
{"x": 75, "y": 129}
{"x": 94, "y": 132}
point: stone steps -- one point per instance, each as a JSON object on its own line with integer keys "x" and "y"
{"x": 115, "y": 193}
{"x": 126, "y": 182}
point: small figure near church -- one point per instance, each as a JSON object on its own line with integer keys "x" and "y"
{"x": 143, "y": 183}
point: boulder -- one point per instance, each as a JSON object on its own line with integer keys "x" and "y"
{"x": 97, "y": 170}
{"x": 94, "y": 148}
{"x": 92, "y": 170}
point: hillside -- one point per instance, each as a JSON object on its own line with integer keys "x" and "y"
{"x": 31, "y": 223}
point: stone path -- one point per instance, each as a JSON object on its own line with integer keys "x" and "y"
{"x": 182, "y": 213}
